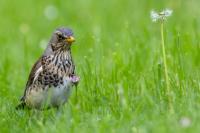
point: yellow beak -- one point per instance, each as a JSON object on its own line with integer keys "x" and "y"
{"x": 70, "y": 39}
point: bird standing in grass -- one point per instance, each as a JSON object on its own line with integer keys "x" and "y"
{"x": 53, "y": 75}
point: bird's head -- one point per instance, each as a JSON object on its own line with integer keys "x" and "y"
{"x": 62, "y": 39}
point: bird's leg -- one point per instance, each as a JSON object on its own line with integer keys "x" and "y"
{"x": 75, "y": 80}
{"x": 76, "y": 93}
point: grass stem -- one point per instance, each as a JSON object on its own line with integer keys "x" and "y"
{"x": 168, "y": 92}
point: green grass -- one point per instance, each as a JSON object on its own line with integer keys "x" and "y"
{"x": 118, "y": 57}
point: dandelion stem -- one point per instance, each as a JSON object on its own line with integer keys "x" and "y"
{"x": 168, "y": 94}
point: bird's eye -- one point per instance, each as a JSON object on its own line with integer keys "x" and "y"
{"x": 60, "y": 37}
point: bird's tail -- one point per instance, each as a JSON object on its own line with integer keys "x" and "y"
{"x": 22, "y": 105}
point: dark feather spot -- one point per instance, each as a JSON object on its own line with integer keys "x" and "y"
{"x": 45, "y": 78}
{"x": 55, "y": 84}
{"x": 55, "y": 76}
{"x": 51, "y": 78}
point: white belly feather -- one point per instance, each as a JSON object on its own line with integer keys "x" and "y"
{"x": 53, "y": 96}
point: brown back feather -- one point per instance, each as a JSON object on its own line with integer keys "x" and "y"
{"x": 35, "y": 67}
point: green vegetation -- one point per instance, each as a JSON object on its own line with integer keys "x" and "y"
{"x": 118, "y": 57}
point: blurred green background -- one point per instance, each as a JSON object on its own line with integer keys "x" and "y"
{"x": 118, "y": 58}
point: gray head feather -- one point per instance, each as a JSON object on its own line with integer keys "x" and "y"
{"x": 55, "y": 39}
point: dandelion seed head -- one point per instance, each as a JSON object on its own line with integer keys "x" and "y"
{"x": 185, "y": 122}
{"x": 155, "y": 16}
{"x": 168, "y": 12}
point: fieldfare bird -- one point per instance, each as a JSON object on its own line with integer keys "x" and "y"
{"x": 53, "y": 75}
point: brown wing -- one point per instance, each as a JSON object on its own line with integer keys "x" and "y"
{"x": 35, "y": 67}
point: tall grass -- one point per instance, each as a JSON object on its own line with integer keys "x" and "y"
{"x": 116, "y": 55}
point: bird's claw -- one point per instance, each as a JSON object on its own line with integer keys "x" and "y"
{"x": 74, "y": 79}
